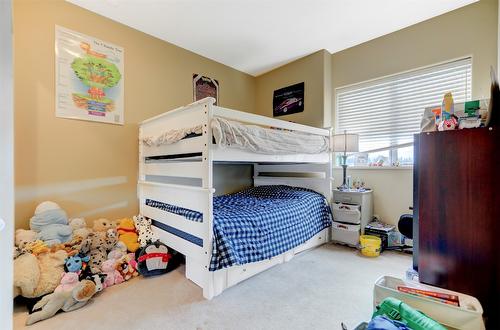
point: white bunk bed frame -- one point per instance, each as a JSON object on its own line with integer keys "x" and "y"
{"x": 302, "y": 170}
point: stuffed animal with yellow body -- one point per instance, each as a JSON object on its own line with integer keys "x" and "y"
{"x": 128, "y": 234}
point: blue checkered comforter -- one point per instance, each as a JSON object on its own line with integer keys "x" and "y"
{"x": 261, "y": 222}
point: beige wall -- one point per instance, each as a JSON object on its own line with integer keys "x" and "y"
{"x": 392, "y": 190}
{"x": 471, "y": 30}
{"x": 91, "y": 168}
{"x": 314, "y": 71}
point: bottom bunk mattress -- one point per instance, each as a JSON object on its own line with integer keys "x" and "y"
{"x": 262, "y": 222}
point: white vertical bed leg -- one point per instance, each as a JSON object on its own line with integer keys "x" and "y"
{"x": 209, "y": 288}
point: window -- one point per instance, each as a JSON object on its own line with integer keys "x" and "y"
{"x": 387, "y": 112}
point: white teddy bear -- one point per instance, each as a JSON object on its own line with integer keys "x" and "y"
{"x": 24, "y": 237}
{"x": 79, "y": 226}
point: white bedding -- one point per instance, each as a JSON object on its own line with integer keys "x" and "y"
{"x": 171, "y": 136}
{"x": 232, "y": 134}
{"x": 264, "y": 140}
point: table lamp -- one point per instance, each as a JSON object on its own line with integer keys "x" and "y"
{"x": 345, "y": 143}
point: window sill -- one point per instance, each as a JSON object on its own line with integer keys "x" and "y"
{"x": 377, "y": 168}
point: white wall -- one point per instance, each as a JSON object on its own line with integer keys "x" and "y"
{"x": 6, "y": 164}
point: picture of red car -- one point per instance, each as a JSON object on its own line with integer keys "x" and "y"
{"x": 288, "y": 100}
{"x": 288, "y": 104}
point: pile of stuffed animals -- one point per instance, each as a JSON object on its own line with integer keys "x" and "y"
{"x": 60, "y": 263}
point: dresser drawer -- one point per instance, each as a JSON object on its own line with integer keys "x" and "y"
{"x": 348, "y": 213}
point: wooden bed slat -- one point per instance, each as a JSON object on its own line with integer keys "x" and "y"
{"x": 180, "y": 169}
{"x": 186, "y": 146}
{"x": 193, "y": 198}
{"x": 198, "y": 229}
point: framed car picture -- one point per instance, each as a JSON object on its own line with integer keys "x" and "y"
{"x": 205, "y": 87}
{"x": 288, "y": 100}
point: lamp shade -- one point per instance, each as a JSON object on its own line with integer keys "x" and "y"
{"x": 346, "y": 142}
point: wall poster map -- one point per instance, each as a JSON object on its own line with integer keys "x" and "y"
{"x": 89, "y": 78}
{"x": 205, "y": 87}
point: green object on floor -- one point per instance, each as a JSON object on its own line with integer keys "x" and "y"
{"x": 397, "y": 310}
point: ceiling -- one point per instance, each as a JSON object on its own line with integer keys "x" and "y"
{"x": 256, "y": 36}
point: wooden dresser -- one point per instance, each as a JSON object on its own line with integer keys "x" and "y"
{"x": 457, "y": 214}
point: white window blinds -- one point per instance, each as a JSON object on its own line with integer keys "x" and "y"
{"x": 387, "y": 111}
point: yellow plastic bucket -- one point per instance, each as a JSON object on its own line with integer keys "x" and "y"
{"x": 370, "y": 245}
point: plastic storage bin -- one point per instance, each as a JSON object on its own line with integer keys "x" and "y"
{"x": 345, "y": 233}
{"x": 469, "y": 316}
{"x": 348, "y": 213}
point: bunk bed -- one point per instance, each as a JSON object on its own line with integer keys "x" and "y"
{"x": 177, "y": 153}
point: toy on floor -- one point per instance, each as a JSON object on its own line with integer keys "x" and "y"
{"x": 94, "y": 246}
{"x": 68, "y": 282}
{"x": 143, "y": 227}
{"x": 35, "y": 276}
{"x": 72, "y": 246}
{"x": 37, "y": 247}
{"x": 51, "y": 224}
{"x": 65, "y": 300}
{"x": 153, "y": 259}
{"x": 98, "y": 280}
{"x": 111, "y": 239}
{"x": 128, "y": 234}
{"x": 113, "y": 276}
{"x": 118, "y": 251}
{"x": 24, "y": 237}
{"x": 17, "y": 252}
{"x": 102, "y": 225}
{"x": 127, "y": 267}
{"x": 97, "y": 245}
{"x": 78, "y": 264}
{"x": 79, "y": 226}
{"x": 397, "y": 310}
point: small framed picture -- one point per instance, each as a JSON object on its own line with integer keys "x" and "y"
{"x": 205, "y": 87}
{"x": 288, "y": 100}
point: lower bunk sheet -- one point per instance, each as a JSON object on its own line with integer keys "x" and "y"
{"x": 262, "y": 222}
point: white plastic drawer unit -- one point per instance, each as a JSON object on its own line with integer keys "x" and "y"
{"x": 362, "y": 199}
{"x": 345, "y": 234}
{"x": 348, "y": 213}
{"x": 348, "y": 198}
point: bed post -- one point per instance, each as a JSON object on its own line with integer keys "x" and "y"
{"x": 209, "y": 288}
{"x": 141, "y": 174}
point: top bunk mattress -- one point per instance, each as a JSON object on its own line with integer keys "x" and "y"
{"x": 257, "y": 139}
{"x": 262, "y": 222}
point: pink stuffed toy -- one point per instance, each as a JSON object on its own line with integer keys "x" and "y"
{"x": 113, "y": 276}
{"x": 127, "y": 266}
{"x": 68, "y": 282}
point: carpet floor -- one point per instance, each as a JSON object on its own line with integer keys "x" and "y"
{"x": 317, "y": 289}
